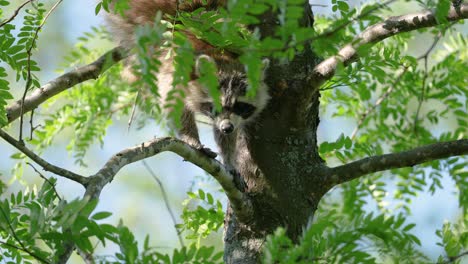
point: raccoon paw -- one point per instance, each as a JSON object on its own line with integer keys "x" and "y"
{"x": 207, "y": 151}
{"x": 238, "y": 180}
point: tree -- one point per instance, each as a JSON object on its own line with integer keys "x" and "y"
{"x": 354, "y": 61}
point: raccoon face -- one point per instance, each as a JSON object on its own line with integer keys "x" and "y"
{"x": 230, "y": 117}
{"x": 236, "y": 109}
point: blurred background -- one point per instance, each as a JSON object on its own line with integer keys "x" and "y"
{"x": 134, "y": 196}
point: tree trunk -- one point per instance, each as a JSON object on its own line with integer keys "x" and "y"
{"x": 286, "y": 183}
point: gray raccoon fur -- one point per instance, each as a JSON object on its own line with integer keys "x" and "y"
{"x": 237, "y": 109}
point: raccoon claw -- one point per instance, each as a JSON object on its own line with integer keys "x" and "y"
{"x": 208, "y": 152}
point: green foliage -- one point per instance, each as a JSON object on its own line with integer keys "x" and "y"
{"x": 333, "y": 238}
{"x": 89, "y": 107}
{"x": 202, "y": 219}
{"x": 39, "y": 225}
{"x": 397, "y": 103}
{"x": 191, "y": 254}
{"x": 4, "y": 96}
{"x": 119, "y": 6}
{"x": 15, "y": 51}
{"x": 454, "y": 239}
{"x": 208, "y": 79}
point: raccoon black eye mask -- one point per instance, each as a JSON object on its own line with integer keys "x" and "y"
{"x": 244, "y": 110}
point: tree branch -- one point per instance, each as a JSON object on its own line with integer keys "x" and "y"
{"x": 44, "y": 164}
{"x": 66, "y": 81}
{"x": 239, "y": 201}
{"x": 15, "y": 13}
{"x": 378, "y": 32}
{"x": 452, "y": 259}
{"x": 403, "y": 159}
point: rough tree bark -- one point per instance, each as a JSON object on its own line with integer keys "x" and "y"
{"x": 287, "y": 183}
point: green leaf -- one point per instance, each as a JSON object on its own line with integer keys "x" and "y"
{"x": 442, "y": 8}
{"x": 98, "y": 8}
{"x": 201, "y": 194}
{"x": 101, "y": 215}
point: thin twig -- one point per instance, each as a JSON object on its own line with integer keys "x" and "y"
{"x": 331, "y": 87}
{"x": 319, "y": 5}
{"x": 425, "y": 57}
{"x": 451, "y": 259}
{"x": 31, "y": 129}
{"x": 378, "y": 102}
{"x": 111, "y": 112}
{"x": 87, "y": 257}
{"x": 166, "y": 200}
{"x": 44, "y": 164}
{"x": 15, "y": 13}
{"x": 45, "y": 179}
{"x": 132, "y": 115}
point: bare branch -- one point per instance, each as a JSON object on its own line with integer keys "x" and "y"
{"x": 239, "y": 201}
{"x": 15, "y": 13}
{"x": 403, "y": 159}
{"x": 66, "y": 81}
{"x": 44, "y": 164}
{"x": 378, "y": 32}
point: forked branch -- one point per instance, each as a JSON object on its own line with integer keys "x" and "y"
{"x": 403, "y": 159}
{"x": 378, "y": 32}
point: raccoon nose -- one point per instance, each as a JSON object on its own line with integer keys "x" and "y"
{"x": 226, "y": 126}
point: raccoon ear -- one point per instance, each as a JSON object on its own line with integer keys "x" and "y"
{"x": 266, "y": 65}
{"x": 198, "y": 63}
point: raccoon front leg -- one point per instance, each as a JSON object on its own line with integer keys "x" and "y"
{"x": 228, "y": 151}
{"x": 189, "y": 132}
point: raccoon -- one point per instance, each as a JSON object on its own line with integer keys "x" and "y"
{"x": 237, "y": 109}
